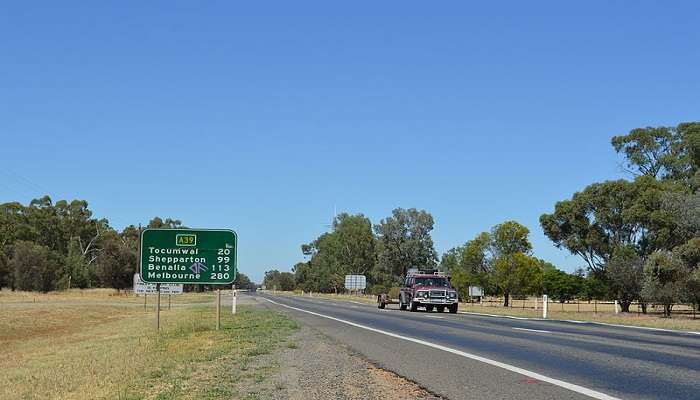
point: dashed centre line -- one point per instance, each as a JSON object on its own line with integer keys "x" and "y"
{"x": 532, "y": 330}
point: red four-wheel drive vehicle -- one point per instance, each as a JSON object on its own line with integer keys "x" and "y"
{"x": 424, "y": 289}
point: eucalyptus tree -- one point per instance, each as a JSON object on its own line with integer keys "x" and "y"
{"x": 350, "y": 248}
{"x": 404, "y": 242}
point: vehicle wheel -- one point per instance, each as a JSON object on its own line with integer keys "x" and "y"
{"x": 402, "y": 305}
{"x": 453, "y": 308}
{"x": 413, "y": 306}
{"x": 429, "y": 308}
{"x": 441, "y": 308}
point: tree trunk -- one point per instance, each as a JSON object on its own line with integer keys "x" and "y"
{"x": 506, "y": 296}
{"x": 644, "y": 307}
{"x": 667, "y": 310}
{"x": 625, "y": 305}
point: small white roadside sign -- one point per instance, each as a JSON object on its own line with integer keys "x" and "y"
{"x": 355, "y": 282}
{"x": 141, "y": 287}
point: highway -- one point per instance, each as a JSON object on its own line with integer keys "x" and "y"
{"x": 466, "y": 356}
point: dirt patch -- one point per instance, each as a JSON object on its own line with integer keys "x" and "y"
{"x": 312, "y": 366}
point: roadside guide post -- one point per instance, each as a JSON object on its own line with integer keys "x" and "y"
{"x": 617, "y": 310}
{"x": 233, "y": 299}
{"x": 188, "y": 256}
{"x": 544, "y": 306}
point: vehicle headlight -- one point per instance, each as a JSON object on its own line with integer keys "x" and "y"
{"x": 452, "y": 295}
{"x": 423, "y": 294}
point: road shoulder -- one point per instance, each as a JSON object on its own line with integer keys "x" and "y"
{"x": 310, "y": 365}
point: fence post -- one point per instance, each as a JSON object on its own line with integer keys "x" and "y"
{"x": 616, "y": 309}
{"x": 544, "y": 306}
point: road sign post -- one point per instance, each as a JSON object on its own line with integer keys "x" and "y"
{"x": 158, "y": 307}
{"x": 194, "y": 256}
{"x": 218, "y": 309}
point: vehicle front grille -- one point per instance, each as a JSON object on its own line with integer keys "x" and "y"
{"x": 438, "y": 293}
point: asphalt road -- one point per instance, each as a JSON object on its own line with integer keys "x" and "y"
{"x": 464, "y": 356}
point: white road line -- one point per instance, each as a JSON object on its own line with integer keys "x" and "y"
{"x": 501, "y": 316}
{"x": 566, "y": 385}
{"x": 532, "y": 330}
{"x": 646, "y": 328}
{"x": 574, "y": 321}
{"x": 434, "y": 316}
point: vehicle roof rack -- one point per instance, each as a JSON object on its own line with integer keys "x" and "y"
{"x": 416, "y": 271}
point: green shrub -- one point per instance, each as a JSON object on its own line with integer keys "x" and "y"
{"x": 394, "y": 292}
{"x": 377, "y": 289}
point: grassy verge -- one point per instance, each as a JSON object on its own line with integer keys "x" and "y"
{"x": 102, "y": 349}
{"x": 606, "y": 315}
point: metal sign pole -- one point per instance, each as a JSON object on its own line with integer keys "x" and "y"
{"x": 144, "y": 301}
{"x": 168, "y": 301}
{"x": 218, "y": 309}
{"x": 158, "y": 307}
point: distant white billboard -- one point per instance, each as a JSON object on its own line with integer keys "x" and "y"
{"x": 141, "y": 287}
{"x": 476, "y": 291}
{"x": 355, "y": 282}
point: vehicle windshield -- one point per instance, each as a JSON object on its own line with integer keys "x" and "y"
{"x": 432, "y": 282}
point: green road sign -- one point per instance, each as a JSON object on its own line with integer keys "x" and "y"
{"x": 205, "y": 256}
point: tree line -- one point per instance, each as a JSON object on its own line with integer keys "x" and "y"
{"x": 639, "y": 238}
{"x": 47, "y": 246}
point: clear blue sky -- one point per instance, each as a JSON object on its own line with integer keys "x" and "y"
{"x": 263, "y": 117}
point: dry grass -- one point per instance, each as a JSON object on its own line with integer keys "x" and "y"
{"x": 362, "y": 298}
{"x": 94, "y": 346}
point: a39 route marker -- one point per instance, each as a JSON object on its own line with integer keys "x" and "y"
{"x": 196, "y": 256}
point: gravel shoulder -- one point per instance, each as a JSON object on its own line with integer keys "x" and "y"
{"x": 310, "y": 365}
